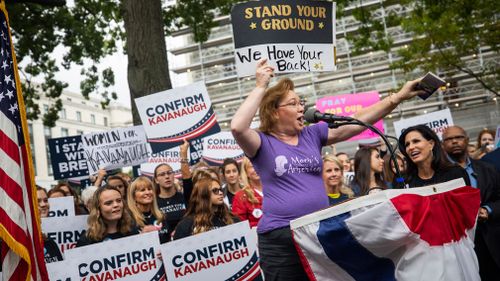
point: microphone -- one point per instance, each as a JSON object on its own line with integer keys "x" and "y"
{"x": 314, "y": 116}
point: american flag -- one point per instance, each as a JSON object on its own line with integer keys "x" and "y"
{"x": 21, "y": 246}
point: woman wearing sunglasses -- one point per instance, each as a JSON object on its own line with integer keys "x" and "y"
{"x": 206, "y": 210}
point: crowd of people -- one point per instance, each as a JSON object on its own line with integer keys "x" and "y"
{"x": 285, "y": 176}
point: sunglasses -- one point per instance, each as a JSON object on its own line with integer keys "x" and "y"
{"x": 166, "y": 173}
{"x": 217, "y": 190}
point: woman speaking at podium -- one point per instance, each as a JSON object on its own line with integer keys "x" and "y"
{"x": 287, "y": 156}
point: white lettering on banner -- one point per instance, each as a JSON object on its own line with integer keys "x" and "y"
{"x": 210, "y": 256}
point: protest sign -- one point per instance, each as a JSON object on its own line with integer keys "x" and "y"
{"x": 171, "y": 157}
{"x": 171, "y": 116}
{"x": 129, "y": 258}
{"x": 62, "y": 206}
{"x": 59, "y": 271}
{"x": 227, "y": 253}
{"x": 64, "y": 231}
{"x": 117, "y": 148}
{"x": 348, "y": 177}
{"x": 67, "y": 157}
{"x": 347, "y": 105}
{"x": 195, "y": 151}
{"x": 437, "y": 121}
{"x": 294, "y": 35}
{"x": 220, "y": 146}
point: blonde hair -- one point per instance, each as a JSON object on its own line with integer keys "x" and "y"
{"x": 343, "y": 188}
{"x": 247, "y": 189}
{"x": 97, "y": 226}
{"x": 270, "y": 102}
{"x": 132, "y": 204}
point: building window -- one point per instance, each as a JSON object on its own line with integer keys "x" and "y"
{"x": 62, "y": 113}
{"x": 47, "y": 131}
{"x": 78, "y": 116}
{"x": 45, "y": 109}
{"x": 92, "y": 118}
{"x": 64, "y": 132}
{"x": 79, "y": 132}
{"x": 105, "y": 120}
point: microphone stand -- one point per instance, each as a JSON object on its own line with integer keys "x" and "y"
{"x": 335, "y": 124}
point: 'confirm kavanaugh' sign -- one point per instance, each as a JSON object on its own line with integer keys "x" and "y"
{"x": 294, "y": 35}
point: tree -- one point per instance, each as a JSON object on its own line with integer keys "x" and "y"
{"x": 89, "y": 31}
{"x": 444, "y": 33}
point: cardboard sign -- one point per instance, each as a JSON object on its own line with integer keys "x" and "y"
{"x": 171, "y": 157}
{"x": 171, "y": 116}
{"x": 67, "y": 157}
{"x": 62, "y": 207}
{"x": 227, "y": 253}
{"x": 437, "y": 121}
{"x": 64, "y": 231}
{"x": 59, "y": 271}
{"x": 294, "y": 35}
{"x": 129, "y": 258}
{"x": 347, "y": 105}
{"x": 220, "y": 146}
{"x": 116, "y": 148}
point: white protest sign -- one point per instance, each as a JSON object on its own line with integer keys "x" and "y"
{"x": 129, "y": 258}
{"x": 171, "y": 116}
{"x": 348, "y": 177}
{"x": 294, "y": 35}
{"x": 171, "y": 157}
{"x": 59, "y": 271}
{"x": 437, "y": 121}
{"x": 62, "y": 206}
{"x": 117, "y": 148}
{"x": 64, "y": 231}
{"x": 227, "y": 253}
{"x": 220, "y": 146}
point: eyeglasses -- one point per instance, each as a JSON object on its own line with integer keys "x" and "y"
{"x": 294, "y": 103}
{"x": 166, "y": 173}
{"x": 450, "y": 139}
{"x": 217, "y": 190}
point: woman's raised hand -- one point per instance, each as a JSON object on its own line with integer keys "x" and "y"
{"x": 263, "y": 74}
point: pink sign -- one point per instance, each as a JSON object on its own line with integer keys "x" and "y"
{"x": 347, "y": 105}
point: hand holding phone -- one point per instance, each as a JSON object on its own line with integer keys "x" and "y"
{"x": 429, "y": 84}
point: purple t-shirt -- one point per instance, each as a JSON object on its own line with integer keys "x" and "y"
{"x": 291, "y": 177}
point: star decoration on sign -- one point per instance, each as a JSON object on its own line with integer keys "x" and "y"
{"x": 321, "y": 25}
{"x": 318, "y": 65}
{"x": 253, "y": 25}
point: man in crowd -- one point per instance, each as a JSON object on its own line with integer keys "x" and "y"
{"x": 483, "y": 176}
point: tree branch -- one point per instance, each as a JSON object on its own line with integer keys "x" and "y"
{"x": 52, "y": 3}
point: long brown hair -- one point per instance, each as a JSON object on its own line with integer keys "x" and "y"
{"x": 97, "y": 226}
{"x": 137, "y": 215}
{"x": 362, "y": 170}
{"x": 270, "y": 102}
{"x": 201, "y": 208}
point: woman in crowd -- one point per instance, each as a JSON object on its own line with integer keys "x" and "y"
{"x": 171, "y": 202}
{"x": 206, "y": 210}
{"x": 390, "y": 170}
{"x": 120, "y": 183}
{"x": 247, "y": 204}
{"x": 141, "y": 200}
{"x": 333, "y": 178}
{"x": 56, "y": 192}
{"x": 69, "y": 191}
{"x": 287, "y": 156}
{"x": 427, "y": 161}
{"x": 485, "y": 141}
{"x": 51, "y": 251}
{"x": 231, "y": 173}
{"x": 368, "y": 176}
{"x": 109, "y": 217}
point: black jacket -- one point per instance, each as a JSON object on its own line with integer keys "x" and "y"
{"x": 488, "y": 182}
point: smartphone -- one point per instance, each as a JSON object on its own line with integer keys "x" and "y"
{"x": 430, "y": 83}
